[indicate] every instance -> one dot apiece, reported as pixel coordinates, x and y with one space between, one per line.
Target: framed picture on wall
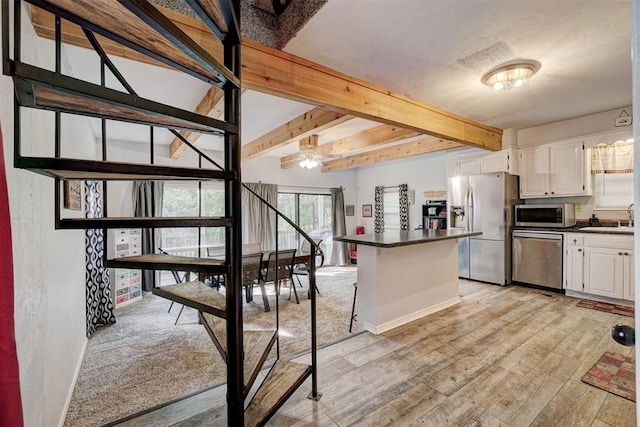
367 211
72 195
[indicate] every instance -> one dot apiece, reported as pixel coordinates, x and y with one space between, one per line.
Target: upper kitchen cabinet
555 170
475 163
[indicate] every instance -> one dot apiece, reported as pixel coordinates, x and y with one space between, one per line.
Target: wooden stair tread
283 380
257 345
170 262
143 28
66 168
197 295
143 222
39 88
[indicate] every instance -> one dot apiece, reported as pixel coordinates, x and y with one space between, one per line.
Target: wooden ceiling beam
307 124
383 134
400 151
211 105
278 73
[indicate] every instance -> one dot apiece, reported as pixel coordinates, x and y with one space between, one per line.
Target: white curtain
612 158
258 221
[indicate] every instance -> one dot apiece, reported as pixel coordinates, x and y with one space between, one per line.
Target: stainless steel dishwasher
537 258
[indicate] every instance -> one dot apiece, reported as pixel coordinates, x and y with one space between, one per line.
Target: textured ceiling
435 51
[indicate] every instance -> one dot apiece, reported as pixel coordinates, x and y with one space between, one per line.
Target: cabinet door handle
575 241
626 253
546 192
619 253
579 250
553 192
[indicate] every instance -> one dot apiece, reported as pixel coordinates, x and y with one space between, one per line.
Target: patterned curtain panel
98 288
379 211
404 207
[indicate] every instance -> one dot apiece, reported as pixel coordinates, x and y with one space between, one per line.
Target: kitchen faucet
630 215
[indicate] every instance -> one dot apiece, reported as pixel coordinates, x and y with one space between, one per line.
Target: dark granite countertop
624 231
392 239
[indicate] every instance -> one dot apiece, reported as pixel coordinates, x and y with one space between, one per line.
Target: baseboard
73 382
384 327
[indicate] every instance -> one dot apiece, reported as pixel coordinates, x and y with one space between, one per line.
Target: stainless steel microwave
556 215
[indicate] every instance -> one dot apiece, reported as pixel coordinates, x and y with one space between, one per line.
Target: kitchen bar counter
403 276
392 239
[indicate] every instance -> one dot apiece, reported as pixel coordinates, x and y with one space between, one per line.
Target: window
189 199
391 209
613 190
612 167
312 213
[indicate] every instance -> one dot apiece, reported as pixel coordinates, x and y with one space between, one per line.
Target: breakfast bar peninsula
405 275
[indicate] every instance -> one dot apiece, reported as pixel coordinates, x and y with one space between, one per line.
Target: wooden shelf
140 26
283 380
65 168
170 263
196 295
39 88
143 222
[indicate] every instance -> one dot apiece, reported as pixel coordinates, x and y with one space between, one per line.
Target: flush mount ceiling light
510 76
308 156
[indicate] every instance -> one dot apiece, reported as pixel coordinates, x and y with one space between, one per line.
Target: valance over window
612 158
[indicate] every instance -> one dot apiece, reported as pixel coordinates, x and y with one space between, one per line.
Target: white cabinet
603 272
600 264
574 266
500 161
468 167
477 162
556 170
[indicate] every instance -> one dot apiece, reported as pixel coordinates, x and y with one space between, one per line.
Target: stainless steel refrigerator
484 203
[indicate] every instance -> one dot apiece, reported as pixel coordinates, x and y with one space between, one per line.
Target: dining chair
284 268
252 275
302 269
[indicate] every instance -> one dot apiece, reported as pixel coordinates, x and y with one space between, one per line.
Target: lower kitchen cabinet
600 265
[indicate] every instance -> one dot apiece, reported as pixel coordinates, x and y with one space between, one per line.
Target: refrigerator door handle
471 222
467 210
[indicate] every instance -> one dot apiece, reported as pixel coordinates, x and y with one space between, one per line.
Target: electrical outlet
577 207
623 121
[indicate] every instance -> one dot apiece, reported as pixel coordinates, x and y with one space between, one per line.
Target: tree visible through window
189 199
312 213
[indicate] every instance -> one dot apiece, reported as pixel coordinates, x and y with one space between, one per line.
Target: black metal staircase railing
314 247
139 25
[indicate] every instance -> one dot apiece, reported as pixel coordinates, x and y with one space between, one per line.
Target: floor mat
614 373
609 308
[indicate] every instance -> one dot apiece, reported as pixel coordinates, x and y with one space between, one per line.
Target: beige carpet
144 360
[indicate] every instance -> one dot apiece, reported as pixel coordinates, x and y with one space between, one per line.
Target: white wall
421 173
565 129
48 264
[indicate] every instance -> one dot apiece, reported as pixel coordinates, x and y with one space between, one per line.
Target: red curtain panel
10 402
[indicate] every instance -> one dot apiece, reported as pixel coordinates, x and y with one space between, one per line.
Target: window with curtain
391 210
312 213
612 167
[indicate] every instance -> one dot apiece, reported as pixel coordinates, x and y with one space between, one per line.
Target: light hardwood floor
502 357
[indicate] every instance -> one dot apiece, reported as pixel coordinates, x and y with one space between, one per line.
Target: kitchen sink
609 229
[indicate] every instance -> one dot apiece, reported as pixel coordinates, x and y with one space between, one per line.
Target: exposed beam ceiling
211 105
423 146
309 123
281 74
278 73
383 134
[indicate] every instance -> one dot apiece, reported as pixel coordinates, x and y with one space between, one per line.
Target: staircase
139 25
